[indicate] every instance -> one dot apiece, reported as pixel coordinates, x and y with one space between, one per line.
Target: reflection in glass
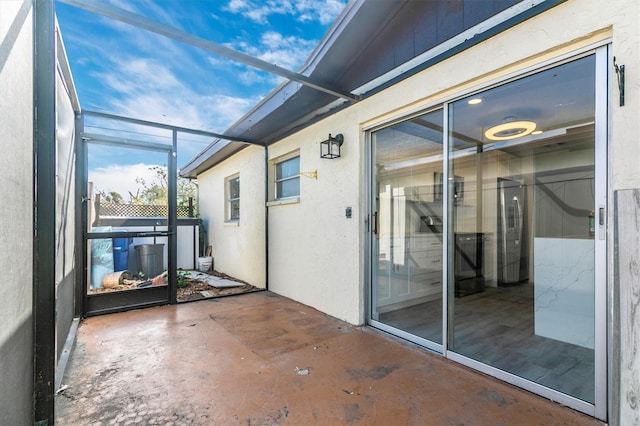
287 178
407 259
522 284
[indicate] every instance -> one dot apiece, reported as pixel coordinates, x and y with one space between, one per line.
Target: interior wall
16 215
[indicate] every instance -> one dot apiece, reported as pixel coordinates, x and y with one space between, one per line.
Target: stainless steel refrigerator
513 265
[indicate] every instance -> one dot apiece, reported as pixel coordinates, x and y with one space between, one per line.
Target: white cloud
149 8
287 52
236 6
220 62
323 11
121 179
259 11
148 89
250 77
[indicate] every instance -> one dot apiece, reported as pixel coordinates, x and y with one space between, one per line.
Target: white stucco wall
16 218
238 249
315 252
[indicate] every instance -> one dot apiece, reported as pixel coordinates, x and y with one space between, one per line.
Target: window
233 198
288 178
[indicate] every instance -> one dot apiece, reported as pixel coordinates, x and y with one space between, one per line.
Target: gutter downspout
266 216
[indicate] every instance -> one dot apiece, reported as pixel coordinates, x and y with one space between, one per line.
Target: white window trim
284 201
227 200
275 200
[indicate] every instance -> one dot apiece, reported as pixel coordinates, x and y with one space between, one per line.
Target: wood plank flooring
496 327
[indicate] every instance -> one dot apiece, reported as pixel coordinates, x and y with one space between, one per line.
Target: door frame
120 301
371 225
599 409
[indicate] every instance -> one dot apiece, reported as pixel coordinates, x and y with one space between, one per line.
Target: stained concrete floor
261 359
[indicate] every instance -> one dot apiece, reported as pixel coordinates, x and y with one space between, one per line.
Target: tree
155 191
187 188
111 197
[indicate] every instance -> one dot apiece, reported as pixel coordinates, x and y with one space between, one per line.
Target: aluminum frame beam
208 45
44 225
169 127
99 139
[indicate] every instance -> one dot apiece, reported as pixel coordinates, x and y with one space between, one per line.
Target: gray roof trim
216 153
331 36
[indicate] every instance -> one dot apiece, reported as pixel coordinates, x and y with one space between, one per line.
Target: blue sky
120 69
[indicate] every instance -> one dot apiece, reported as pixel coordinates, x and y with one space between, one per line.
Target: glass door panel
127 232
522 183
407 247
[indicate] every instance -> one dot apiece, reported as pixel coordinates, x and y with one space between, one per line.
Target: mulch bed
191 289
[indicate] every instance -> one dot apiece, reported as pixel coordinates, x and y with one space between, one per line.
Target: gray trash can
150 259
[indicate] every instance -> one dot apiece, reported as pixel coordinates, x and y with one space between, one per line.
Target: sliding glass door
407 260
523 228
488 231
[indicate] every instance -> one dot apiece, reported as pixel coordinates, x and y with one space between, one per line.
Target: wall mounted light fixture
330 148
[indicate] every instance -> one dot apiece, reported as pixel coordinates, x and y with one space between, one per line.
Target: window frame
229 199
277 181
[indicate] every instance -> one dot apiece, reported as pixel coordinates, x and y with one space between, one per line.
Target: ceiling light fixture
510 130
474 101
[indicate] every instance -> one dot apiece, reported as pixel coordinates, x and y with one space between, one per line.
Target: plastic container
101 257
121 253
150 259
205 263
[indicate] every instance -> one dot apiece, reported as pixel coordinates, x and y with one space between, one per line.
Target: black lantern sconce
331 147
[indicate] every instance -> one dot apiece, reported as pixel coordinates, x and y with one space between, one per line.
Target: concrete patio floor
262 359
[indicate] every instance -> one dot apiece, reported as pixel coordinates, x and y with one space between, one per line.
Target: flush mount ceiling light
474 101
510 130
